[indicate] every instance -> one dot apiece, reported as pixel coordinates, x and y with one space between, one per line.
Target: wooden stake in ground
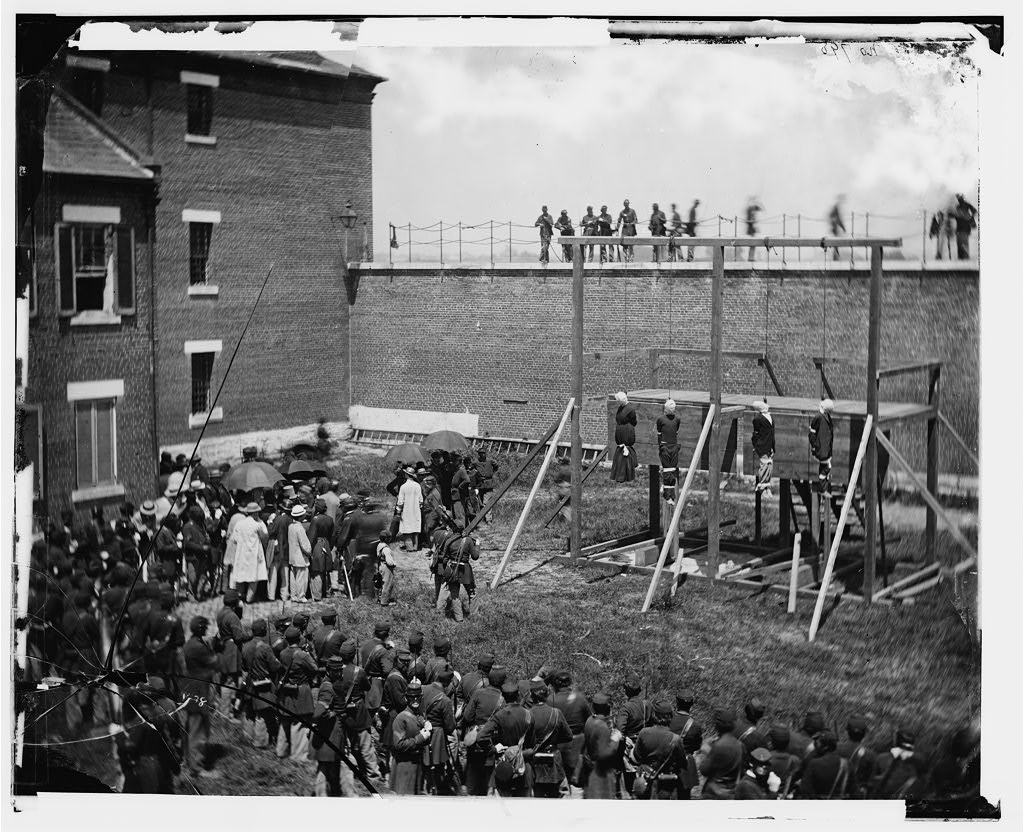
794 574
826 578
673 526
552 447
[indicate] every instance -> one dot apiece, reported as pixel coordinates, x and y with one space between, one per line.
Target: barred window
200 109
199 234
202 375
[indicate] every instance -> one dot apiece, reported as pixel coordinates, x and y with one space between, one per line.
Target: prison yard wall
494 342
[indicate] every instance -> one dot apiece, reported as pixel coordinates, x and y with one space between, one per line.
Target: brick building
260 153
88 401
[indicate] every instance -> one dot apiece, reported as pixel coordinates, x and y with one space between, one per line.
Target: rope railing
444 242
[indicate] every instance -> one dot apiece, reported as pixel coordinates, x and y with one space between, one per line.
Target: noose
767 289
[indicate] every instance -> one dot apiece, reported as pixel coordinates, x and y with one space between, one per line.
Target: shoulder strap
668 756
747 733
840 781
686 728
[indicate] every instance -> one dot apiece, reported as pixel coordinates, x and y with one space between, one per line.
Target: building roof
312 62
76 142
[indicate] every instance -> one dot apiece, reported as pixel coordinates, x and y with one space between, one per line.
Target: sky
472 134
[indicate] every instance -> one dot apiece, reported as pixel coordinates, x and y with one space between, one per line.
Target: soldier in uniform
328 743
604 229
801 743
481 704
418 662
355 684
724 764
747 731
198 551
376 655
660 755
200 667
504 733
548 730
895 771
168 553
295 697
757 781
165 639
260 666
439 663
634 715
150 747
825 773
626 223
545 222
393 698
328 620
439 710
456 571
565 229
783 764
588 228
602 752
686 726
476 678
229 639
410 733
860 757
656 225
576 710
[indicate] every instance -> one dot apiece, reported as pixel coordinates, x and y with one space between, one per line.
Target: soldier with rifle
438 757
330 741
456 571
548 730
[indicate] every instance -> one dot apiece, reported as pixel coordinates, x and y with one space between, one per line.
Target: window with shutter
125 270
66 304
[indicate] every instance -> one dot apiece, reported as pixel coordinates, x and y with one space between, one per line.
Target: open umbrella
303 469
445 440
249 475
407 453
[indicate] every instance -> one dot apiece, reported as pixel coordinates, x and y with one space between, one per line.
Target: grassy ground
911 665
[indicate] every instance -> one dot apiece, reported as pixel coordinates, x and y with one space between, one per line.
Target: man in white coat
410 519
249 539
299 552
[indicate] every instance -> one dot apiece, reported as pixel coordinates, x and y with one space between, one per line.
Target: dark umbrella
250 475
407 454
445 440
302 469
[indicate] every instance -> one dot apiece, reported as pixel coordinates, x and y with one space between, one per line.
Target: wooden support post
926 495
881 530
785 501
826 577
826 532
576 449
794 575
715 399
671 533
816 533
552 448
757 518
654 500
871 462
932 473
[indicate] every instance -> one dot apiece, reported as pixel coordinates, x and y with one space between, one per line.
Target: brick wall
290 152
461 340
60 353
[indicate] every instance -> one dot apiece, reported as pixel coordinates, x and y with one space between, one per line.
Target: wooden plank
738 242
871 465
909 579
673 527
927 497
533 493
910 367
834 551
932 463
794 575
576 452
715 400
958 439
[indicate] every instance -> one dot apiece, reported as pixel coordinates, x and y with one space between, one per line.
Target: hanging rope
824 290
625 345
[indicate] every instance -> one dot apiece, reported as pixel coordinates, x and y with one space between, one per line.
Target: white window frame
197 215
